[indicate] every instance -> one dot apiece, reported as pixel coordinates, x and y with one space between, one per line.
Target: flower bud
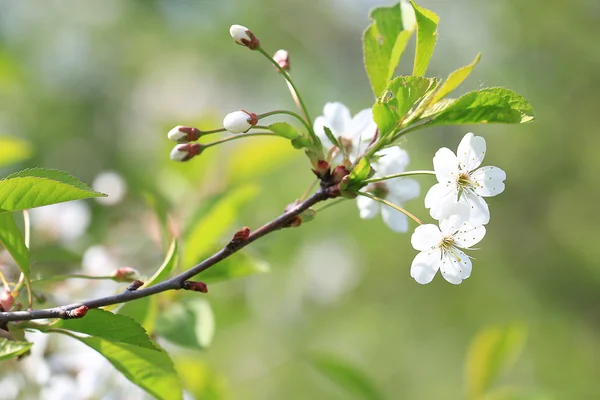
78 312
339 173
282 58
244 36
125 274
6 300
239 121
321 169
184 152
135 285
184 134
195 286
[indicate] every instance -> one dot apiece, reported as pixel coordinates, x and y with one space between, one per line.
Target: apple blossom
460 179
440 246
392 160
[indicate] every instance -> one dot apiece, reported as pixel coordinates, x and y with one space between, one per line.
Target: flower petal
426 237
403 189
471 151
362 127
397 221
392 160
445 165
480 212
320 123
456 266
453 217
368 207
425 265
469 235
438 196
338 118
490 181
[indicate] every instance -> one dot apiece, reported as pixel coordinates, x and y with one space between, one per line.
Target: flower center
464 181
447 243
379 189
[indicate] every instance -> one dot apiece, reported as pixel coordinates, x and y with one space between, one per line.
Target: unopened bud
321 169
239 121
78 312
184 134
282 58
244 36
6 300
135 285
184 152
125 274
195 286
241 235
339 173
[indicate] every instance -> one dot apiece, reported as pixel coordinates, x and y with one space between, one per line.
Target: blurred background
93 88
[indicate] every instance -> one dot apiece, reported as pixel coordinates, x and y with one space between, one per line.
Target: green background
96 86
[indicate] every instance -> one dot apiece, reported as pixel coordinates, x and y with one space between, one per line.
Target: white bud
239 121
244 36
183 134
183 152
282 58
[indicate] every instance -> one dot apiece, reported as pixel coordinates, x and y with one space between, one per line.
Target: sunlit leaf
454 80
13 150
167 266
239 265
258 156
11 348
12 240
348 377
427 22
200 380
189 322
492 352
143 311
284 129
39 187
355 180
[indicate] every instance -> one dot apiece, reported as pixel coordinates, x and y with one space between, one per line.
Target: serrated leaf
108 326
427 22
346 376
11 348
208 231
238 265
384 42
454 80
13 150
150 369
493 351
284 129
490 105
167 266
188 322
12 240
437 107
37 187
143 311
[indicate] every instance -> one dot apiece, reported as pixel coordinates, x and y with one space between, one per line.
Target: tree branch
177 282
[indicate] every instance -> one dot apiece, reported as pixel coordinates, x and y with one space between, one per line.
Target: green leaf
454 80
108 326
384 42
427 22
150 369
11 348
217 221
39 187
492 352
200 380
239 265
13 150
284 129
346 376
143 311
332 138
188 322
301 142
167 266
12 240
490 105
355 180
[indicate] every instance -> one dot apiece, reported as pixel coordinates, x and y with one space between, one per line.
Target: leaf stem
398 175
330 204
238 136
293 114
394 206
4 281
57 278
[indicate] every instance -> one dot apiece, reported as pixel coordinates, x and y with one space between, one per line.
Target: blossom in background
65 222
440 247
355 133
392 160
460 179
112 184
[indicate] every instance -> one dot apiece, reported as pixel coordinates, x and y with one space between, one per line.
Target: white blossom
112 184
460 179
239 121
239 33
354 134
440 247
392 160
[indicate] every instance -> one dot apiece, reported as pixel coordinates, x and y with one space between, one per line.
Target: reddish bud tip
185 152
78 312
321 169
282 58
339 173
184 134
241 235
6 300
135 285
195 286
125 274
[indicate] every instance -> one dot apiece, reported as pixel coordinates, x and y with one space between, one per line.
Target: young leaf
11 348
188 323
427 22
490 105
13 150
167 266
355 180
12 240
152 370
39 187
108 326
454 80
384 42
332 138
492 351
346 376
238 265
284 129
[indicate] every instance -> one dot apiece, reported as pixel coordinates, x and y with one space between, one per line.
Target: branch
177 282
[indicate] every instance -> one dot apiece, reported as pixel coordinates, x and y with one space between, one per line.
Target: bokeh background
93 87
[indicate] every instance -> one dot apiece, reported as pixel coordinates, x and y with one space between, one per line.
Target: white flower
392 160
460 180
355 134
239 121
65 222
440 247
